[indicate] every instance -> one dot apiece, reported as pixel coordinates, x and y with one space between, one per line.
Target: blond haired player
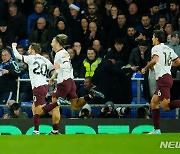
66 88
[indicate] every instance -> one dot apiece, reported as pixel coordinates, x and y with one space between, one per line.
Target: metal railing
80 80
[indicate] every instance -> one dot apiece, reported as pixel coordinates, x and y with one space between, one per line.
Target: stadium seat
24 42
1 112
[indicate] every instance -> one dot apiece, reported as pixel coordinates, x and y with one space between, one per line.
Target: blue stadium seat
1 112
24 42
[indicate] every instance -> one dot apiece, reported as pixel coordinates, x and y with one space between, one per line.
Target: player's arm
16 53
150 64
54 76
176 62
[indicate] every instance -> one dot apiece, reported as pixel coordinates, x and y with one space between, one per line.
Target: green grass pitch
87 144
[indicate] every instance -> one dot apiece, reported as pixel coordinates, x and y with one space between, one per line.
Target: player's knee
38 110
54 99
164 105
74 108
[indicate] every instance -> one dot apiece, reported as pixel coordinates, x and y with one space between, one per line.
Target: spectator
15 112
143 112
9 72
131 39
54 15
99 49
32 18
168 28
17 22
90 63
110 17
6 34
74 21
84 34
89 86
174 44
108 111
110 78
1 45
154 13
133 14
86 112
80 52
95 33
140 56
120 51
161 23
117 30
42 34
173 12
62 28
10 103
146 28
93 15
75 61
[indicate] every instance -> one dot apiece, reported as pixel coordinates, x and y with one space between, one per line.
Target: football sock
156 118
49 107
55 127
174 104
36 122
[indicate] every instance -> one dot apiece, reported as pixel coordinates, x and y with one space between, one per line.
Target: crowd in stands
108 40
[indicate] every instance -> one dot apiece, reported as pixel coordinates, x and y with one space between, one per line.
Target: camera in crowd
109 106
143 112
123 110
85 112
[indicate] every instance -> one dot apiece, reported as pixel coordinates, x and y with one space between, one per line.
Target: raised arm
16 53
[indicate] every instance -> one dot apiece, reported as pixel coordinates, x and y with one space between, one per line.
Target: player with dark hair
163 58
38 69
66 88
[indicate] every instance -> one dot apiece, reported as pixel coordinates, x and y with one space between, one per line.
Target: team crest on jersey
159 93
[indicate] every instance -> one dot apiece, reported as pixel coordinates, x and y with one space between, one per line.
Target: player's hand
56 66
51 81
143 70
14 45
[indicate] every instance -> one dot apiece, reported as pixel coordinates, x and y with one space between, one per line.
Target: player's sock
36 122
156 118
49 107
55 127
174 104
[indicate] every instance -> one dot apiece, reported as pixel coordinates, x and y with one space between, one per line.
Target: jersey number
168 59
40 69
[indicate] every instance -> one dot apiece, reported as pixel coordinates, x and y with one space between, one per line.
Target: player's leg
55 117
37 112
78 103
155 114
165 95
61 92
39 94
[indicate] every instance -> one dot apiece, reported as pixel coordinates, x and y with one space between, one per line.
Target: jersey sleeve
27 59
65 60
50 66
174 55
154 51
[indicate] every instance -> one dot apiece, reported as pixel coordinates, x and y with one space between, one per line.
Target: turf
87 144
